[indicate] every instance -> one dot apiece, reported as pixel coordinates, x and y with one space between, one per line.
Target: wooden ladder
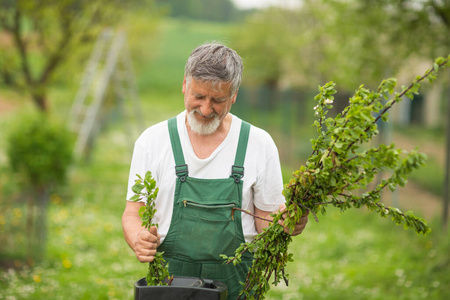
109 67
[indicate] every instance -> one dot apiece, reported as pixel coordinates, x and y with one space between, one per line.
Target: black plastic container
182 288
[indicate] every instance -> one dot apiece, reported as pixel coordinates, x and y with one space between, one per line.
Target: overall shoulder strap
237 170
181 168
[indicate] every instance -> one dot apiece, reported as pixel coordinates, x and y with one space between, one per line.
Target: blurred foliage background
62 239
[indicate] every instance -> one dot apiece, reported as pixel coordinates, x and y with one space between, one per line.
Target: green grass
355 255
87 257
358 255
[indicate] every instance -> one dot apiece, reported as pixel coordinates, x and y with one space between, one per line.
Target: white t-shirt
262 179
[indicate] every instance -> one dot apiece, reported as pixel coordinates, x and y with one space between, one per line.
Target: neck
204 145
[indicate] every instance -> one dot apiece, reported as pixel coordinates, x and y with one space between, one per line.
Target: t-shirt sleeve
268 188
138 166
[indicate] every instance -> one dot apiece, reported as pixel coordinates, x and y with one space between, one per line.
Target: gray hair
215 63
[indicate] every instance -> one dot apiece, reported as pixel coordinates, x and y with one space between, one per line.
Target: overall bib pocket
210 228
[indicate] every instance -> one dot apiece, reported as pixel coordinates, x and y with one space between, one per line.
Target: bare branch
253 215
21 46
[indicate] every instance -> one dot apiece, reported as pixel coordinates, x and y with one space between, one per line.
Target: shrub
40 150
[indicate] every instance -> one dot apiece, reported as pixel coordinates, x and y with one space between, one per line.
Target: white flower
315 107
328 101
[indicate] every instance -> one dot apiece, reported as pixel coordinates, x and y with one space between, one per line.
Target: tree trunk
446 194
40 99
37 223
30 237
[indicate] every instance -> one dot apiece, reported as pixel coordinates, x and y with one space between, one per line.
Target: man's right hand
146 243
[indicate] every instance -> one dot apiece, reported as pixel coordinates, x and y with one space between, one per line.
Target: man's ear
183 89
233 99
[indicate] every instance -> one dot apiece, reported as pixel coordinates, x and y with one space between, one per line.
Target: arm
142 241
261 224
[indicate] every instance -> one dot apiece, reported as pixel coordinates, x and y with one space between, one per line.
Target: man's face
206 105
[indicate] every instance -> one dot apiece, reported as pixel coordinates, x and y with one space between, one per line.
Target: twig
286 281
307 208
253 215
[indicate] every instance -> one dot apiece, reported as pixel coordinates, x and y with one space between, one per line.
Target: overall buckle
182 172
237 173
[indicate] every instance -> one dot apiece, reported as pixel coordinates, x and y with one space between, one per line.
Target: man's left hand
298 227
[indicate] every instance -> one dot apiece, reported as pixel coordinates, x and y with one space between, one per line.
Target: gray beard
200 128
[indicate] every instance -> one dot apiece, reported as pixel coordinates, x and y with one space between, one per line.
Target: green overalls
204 223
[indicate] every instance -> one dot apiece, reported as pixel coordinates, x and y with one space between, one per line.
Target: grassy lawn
355 255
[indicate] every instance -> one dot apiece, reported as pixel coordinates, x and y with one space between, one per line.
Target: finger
281 209
301 225
148 236
153 230
146 252
298 228
146 244
145 258
150 245
145 255
158 239
141 245
293 233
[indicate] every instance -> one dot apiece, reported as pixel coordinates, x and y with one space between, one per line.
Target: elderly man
206 162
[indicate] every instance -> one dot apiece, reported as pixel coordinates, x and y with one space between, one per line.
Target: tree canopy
344 41
40 35
211 10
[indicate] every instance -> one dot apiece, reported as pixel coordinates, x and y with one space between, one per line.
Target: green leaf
137 188
141 210
435 67
135 198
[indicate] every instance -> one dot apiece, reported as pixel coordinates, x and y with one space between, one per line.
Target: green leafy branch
338 172
145 188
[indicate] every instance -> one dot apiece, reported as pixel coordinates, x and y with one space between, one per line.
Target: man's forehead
215 86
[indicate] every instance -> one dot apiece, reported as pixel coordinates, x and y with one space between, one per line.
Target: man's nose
206 108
